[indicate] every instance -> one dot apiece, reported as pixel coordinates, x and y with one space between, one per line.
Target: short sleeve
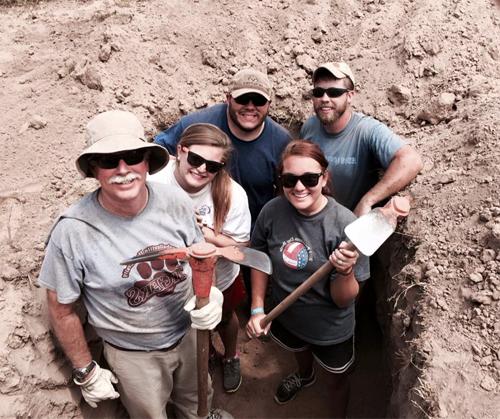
259 236
170 137
383 142
61 272
238 219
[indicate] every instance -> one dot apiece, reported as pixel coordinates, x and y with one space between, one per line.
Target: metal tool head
237 254
167 254
371 230
247 257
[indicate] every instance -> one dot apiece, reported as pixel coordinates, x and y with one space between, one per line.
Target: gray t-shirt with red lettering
136 306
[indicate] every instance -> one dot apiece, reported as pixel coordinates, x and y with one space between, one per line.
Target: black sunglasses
257 100
111 161
309 180
318 92
196 160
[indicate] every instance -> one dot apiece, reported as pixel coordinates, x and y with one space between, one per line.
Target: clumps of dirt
428 69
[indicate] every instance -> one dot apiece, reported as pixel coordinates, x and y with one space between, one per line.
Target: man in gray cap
356 145
258 142
137 310
257 139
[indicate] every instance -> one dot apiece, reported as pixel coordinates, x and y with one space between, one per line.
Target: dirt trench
428 69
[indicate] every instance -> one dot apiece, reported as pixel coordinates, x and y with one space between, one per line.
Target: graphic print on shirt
204 211
296 254
159 277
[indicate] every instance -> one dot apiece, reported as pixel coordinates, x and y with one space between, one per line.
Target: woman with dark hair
301 230
221 207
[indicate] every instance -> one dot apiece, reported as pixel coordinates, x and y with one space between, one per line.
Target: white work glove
99 386
208 317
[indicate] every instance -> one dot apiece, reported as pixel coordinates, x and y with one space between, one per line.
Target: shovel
202 258
366 234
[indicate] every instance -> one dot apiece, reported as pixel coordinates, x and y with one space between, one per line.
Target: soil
428 69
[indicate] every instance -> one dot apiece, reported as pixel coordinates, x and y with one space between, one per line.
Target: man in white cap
357 146
137 310
257 139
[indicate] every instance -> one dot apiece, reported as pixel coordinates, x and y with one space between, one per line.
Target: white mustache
129 177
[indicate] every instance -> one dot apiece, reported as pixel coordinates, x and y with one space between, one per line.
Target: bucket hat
114 132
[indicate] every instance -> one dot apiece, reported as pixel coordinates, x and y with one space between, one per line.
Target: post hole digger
202 258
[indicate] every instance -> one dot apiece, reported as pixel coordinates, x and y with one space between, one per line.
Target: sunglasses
196 160
318 92
309 180
257 100
111 161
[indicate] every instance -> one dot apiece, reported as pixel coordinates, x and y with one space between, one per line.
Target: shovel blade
247 257
369 232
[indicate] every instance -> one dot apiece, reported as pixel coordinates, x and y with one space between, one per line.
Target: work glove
99 386
208 317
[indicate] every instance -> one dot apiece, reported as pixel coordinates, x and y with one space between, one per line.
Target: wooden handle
202 339
323 270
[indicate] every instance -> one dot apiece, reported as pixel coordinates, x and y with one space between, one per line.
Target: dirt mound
428 69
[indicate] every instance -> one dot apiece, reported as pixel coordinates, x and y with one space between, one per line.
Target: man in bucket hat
356 145
137 310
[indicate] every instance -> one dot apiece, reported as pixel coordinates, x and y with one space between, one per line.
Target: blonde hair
208 134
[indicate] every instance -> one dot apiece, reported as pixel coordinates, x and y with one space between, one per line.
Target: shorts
335 358
234 295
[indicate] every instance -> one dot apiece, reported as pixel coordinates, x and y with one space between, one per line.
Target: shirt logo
159 278
296 254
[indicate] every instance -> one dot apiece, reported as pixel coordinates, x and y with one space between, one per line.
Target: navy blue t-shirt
253 163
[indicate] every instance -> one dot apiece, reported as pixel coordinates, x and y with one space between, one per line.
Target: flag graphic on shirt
295 254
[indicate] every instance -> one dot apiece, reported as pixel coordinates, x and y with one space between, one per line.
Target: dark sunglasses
196 160
257 100
318 92
309 180
111 161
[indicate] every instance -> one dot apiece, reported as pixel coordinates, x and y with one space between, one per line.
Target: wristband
257 310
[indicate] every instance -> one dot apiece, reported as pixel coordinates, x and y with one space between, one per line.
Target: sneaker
232 374
219 414
291 385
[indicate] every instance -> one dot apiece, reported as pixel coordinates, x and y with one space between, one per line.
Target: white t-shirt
236 224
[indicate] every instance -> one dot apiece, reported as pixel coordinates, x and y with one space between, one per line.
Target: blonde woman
221 206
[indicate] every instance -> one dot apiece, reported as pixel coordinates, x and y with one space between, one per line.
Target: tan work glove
208 317
99 386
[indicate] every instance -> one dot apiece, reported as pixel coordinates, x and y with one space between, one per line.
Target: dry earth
430 69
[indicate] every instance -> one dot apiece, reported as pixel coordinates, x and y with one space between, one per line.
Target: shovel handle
322 271
202 340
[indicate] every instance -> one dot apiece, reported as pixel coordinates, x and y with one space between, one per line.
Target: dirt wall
429 69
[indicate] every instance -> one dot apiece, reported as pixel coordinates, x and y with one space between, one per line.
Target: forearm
69 331
403 168
259 285
344 289
220 240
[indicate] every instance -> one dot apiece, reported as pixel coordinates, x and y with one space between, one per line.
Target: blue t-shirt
253 163
355 155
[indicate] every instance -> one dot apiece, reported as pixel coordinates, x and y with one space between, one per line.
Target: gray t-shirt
356 154
298 245
134 306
